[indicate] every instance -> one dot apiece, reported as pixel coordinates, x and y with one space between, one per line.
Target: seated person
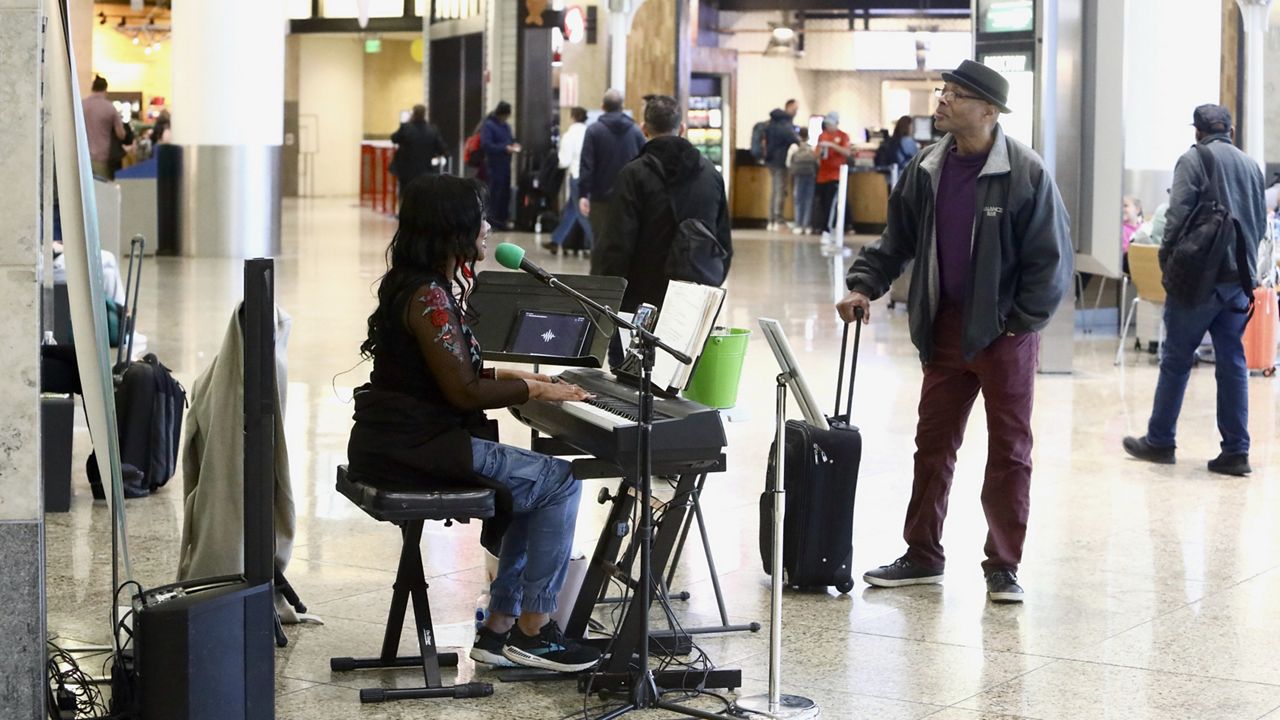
421 418
1131 219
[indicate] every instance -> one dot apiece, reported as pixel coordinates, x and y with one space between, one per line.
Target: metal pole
775 704
779 498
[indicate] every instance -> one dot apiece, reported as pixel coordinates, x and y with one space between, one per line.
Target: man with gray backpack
1209 257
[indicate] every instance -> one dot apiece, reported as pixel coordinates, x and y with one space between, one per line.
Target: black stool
408 506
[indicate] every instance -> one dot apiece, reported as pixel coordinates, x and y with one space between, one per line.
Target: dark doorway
456 91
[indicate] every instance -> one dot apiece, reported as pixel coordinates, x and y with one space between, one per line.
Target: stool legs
411 585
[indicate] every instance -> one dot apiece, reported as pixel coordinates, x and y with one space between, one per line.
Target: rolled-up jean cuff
545 603
505 604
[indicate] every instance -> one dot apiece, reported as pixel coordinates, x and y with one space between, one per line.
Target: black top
418 142
426 396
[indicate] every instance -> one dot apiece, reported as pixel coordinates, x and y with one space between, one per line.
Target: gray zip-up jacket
1022 256
1240 188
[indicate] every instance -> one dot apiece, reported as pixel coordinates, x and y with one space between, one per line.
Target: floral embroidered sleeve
434 321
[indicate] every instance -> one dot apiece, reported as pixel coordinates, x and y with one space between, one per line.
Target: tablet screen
553 334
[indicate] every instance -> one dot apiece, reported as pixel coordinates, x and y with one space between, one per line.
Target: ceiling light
783 34
102 18
147 50
135 40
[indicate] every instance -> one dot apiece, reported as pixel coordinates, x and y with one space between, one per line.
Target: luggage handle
853 364
124 350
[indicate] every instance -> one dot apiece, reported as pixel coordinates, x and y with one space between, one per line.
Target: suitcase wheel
845 587
1269 372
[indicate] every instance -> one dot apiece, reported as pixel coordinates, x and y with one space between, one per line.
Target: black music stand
500 296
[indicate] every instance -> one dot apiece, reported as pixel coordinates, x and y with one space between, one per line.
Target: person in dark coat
418 145
779 136
498 145
643 223
1238 184
420 420
611 142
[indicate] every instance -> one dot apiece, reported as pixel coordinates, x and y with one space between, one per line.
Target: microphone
512 257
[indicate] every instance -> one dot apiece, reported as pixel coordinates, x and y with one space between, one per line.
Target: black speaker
203 650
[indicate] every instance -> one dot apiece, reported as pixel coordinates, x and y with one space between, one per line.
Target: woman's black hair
440 218
503 109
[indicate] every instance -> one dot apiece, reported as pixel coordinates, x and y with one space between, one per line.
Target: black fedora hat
991 85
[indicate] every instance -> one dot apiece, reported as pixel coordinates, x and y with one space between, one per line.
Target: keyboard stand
665 586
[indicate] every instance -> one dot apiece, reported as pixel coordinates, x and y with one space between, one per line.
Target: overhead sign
1006 16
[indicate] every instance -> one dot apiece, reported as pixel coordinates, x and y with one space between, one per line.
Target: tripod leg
711 561
684 531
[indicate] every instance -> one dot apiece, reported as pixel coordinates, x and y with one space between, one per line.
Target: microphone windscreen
509 255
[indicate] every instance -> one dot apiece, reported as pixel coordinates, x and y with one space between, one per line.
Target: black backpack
149 407
887 153
1192 264
758 132
696 254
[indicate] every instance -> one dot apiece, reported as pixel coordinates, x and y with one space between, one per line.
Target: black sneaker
1231 464
1143 450
902 572
549 650
488 646
1003 587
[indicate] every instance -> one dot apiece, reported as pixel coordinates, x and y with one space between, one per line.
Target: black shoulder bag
695 254
1191 270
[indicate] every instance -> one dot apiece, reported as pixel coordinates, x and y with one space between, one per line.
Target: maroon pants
1005 373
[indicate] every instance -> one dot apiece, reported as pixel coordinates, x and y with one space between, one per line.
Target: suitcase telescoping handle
124 347
853 364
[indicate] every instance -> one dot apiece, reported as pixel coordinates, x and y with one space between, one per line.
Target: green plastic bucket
715 381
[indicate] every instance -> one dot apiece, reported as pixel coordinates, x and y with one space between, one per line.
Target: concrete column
228 116
22 621
1256 14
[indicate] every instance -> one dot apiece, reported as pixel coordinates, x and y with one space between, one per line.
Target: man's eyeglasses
950 96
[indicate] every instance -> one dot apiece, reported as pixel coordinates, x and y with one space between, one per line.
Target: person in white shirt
571 159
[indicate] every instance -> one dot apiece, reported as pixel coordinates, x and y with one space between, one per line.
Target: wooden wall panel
1230 81
651 53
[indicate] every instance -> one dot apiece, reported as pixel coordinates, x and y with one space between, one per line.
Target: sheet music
688 312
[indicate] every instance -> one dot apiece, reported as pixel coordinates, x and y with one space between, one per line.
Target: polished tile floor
1153 591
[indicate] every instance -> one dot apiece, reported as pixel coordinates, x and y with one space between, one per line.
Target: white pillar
228 116
621 13
1255 14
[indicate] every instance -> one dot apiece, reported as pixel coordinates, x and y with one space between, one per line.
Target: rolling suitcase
821 481
149 406
1260 333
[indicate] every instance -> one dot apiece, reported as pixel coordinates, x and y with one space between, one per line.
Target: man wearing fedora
1224 313
982 219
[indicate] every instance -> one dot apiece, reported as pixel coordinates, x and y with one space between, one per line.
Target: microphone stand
644 688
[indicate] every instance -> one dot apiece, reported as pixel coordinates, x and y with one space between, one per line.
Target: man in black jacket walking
644 220
611 142
418 145
1224 314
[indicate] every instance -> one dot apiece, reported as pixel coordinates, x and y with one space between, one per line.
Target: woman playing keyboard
421 418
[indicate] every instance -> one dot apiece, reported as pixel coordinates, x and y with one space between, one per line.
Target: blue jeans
803 199
571 217
536 547
1223 318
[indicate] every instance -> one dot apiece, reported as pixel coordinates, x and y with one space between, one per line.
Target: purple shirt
954 216
100 123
